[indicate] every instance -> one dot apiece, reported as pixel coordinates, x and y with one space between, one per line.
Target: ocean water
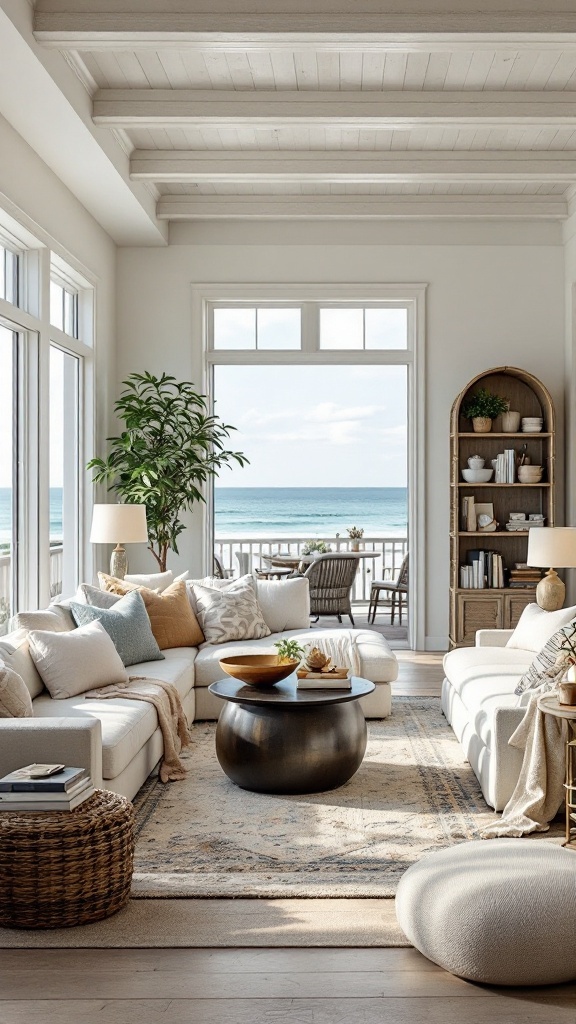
309 511
6 514
278 511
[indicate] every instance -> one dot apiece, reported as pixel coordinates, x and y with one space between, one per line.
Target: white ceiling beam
256 207
417 166
149 108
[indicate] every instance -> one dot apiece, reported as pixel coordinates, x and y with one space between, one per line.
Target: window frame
312 297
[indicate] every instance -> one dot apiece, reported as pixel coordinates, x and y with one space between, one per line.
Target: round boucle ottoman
501 911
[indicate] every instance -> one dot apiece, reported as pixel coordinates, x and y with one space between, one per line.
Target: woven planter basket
64 868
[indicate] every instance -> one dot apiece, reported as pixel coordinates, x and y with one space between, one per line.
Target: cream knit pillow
15 700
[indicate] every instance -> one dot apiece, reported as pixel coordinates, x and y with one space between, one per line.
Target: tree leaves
170 447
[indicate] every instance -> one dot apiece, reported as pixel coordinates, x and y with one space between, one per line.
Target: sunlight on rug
412 795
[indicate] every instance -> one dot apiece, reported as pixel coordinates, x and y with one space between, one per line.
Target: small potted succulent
289 650
355 537
482 407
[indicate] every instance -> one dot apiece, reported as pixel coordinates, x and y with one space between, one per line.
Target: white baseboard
436 643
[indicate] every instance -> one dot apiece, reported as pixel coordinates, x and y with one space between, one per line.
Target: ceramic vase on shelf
510 422
481 424
476 462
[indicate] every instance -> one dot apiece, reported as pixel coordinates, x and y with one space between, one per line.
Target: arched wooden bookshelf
497 607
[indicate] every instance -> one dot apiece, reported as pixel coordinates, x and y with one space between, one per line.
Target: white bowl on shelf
477 476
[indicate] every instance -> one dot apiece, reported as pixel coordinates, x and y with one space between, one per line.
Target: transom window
309 326
9 275
64 308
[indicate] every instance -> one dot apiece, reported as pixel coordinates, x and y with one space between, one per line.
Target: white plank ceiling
464 126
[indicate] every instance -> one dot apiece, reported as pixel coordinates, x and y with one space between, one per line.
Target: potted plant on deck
355 535
482 407
169 448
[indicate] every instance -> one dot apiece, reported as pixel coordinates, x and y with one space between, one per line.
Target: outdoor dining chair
331 578
398 589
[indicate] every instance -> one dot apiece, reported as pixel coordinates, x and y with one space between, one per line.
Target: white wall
33 196
495 297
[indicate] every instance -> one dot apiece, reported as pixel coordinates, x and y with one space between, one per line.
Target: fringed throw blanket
171 718
341 649
539 792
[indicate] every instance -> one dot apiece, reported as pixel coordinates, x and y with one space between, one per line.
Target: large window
8 475
64 466
46 314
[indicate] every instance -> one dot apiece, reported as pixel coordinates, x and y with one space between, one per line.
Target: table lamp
119 524
548 546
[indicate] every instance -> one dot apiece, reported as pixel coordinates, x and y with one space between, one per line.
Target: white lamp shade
552 547
119 524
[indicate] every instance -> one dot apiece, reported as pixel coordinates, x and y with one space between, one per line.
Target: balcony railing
5 582
385 564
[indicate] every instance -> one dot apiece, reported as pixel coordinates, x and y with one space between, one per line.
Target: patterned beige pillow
15 700
232 613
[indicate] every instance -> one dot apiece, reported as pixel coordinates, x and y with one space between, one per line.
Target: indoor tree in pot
482 407
170 447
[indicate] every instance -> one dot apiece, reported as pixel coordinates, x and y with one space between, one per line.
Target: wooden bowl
258 669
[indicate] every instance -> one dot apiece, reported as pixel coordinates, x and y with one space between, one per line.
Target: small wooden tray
338 673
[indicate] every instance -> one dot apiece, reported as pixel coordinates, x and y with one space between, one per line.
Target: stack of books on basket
45 787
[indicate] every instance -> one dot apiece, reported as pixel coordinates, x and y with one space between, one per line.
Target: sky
315 426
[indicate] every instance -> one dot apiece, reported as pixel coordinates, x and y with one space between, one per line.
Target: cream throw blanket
171 719
539 792
342 649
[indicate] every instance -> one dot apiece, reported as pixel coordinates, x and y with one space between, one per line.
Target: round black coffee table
280 739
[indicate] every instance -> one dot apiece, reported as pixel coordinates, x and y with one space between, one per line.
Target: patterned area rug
413 794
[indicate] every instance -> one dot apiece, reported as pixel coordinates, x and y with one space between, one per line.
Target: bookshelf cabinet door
515 605
477 610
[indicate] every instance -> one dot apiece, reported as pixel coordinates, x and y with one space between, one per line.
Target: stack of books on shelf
45 787
523 577
505 469
484 571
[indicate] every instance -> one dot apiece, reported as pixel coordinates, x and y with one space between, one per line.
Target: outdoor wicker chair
331 578
219 571
398 589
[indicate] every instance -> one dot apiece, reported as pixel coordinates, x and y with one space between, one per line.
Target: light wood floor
265 986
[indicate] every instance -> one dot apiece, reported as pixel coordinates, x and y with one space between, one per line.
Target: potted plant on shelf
482 407
170 447
355 537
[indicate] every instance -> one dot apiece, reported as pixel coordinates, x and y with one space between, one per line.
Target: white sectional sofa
119 740
479 702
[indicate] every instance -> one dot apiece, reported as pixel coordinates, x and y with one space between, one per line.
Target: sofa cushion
536 626
177 668
74 662
172 620
285 604
485 678
56 619
128 625
156 580
15 701
231 612
545 668
377 661
15 653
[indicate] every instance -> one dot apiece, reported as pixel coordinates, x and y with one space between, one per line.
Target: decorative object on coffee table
548 546
285 740
64 868
119 524
259 669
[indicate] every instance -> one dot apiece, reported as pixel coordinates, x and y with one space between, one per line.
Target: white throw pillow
71 663
15 701
231 612
536 626
156 580
57 618
285 604
215 582
15 653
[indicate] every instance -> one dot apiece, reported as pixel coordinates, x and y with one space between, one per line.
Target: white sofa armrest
73 741
493 637
506 760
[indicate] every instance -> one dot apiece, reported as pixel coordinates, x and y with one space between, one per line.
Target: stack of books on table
45 788
337 679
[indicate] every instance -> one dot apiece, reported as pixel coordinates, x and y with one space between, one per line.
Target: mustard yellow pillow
172 620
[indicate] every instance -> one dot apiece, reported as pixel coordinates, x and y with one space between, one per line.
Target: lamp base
550 592
119 562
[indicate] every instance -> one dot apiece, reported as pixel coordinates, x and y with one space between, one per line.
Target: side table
551 706
64 868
